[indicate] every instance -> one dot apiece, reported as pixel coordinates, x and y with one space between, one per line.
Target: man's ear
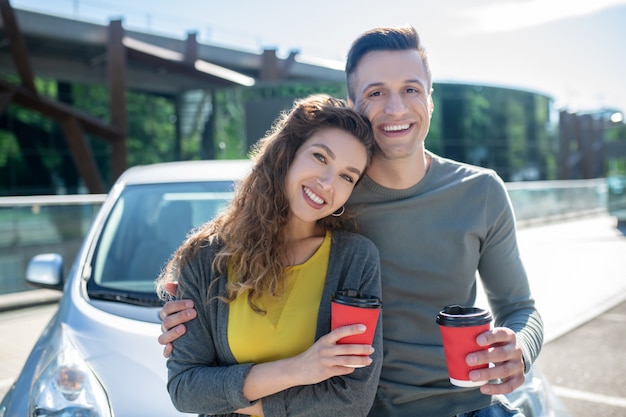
431 103
350 102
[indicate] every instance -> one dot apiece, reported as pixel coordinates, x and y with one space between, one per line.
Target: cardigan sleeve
196 383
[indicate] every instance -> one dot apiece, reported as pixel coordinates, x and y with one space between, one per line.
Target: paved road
578 276
577 269
20 330
587 366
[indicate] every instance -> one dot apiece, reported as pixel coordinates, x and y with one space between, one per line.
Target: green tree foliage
40 140
504 129
229 118
615 133
12 165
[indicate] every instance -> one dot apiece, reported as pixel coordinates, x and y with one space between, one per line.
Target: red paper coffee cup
353 307
459 328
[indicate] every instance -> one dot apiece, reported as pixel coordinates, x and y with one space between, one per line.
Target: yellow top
289 326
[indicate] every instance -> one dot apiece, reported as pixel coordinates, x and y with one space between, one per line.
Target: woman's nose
324 181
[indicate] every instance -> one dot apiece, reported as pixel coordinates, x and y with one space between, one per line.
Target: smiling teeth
395 128
312 196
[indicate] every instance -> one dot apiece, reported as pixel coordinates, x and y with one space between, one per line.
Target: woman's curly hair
249 230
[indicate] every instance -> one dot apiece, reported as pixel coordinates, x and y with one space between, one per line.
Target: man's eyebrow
332 155
407 81
416 81
376 84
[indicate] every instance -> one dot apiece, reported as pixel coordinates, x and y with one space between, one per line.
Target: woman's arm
323 360
202 377
355 262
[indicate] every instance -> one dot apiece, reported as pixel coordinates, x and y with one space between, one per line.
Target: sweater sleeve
354 262
197 382
504 276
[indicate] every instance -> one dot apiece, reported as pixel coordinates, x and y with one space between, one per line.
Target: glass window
144 227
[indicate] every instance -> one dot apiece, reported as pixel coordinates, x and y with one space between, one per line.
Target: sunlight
515 15
617 117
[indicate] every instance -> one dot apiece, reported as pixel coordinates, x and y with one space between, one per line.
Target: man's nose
395 105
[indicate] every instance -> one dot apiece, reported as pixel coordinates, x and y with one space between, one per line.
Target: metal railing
542 201
39 224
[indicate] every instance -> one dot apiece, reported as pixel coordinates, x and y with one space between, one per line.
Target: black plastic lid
458 316
356 299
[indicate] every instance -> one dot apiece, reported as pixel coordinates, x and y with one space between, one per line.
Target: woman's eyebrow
326 148
331 154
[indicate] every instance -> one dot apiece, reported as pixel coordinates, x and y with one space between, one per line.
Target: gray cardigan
203 376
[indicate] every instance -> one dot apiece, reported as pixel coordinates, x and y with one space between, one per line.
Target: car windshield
144 227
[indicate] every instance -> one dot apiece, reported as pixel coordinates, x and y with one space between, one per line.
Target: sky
571 50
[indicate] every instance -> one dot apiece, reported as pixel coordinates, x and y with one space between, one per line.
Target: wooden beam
18 47
287 64
269 66
565 130
117 96
139 77
191 48
176 62
59 111
598 161
81 153
584 136
179 67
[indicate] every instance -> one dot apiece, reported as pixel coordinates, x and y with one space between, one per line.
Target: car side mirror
46 271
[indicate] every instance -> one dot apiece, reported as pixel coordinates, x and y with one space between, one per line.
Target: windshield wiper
124 297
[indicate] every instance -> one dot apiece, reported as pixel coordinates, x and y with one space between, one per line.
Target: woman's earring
340 211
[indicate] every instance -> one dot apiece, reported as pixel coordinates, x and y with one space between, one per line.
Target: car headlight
65 385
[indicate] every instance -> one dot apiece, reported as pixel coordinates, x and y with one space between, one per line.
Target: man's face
391 89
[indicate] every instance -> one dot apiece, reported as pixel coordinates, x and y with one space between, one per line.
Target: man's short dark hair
384 39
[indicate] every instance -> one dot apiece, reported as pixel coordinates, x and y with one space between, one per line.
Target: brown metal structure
583 152
73 122
78 52
117 100
71 51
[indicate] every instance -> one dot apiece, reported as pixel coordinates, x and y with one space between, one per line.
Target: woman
261 276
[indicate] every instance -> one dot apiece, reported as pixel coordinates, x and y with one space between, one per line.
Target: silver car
99 356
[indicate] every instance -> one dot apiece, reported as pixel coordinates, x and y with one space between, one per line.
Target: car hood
123 353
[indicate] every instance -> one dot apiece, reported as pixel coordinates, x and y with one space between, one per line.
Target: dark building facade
511 131
84 101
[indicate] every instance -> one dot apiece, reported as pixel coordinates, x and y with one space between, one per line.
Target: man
436 223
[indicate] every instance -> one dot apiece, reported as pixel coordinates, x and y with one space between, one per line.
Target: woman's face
323 173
